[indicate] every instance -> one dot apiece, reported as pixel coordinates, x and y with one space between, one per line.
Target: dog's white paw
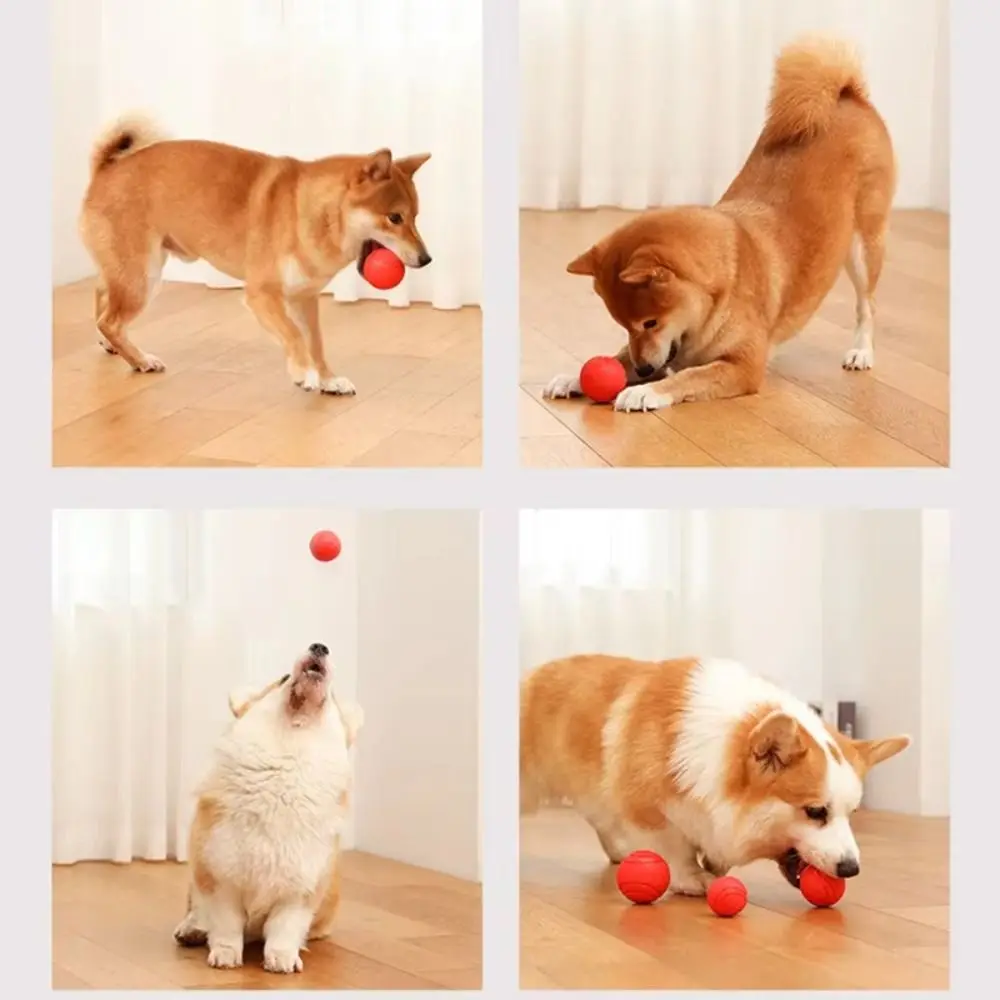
106 344
310 380
641 397
150 363
689 883
859 359
338 386
225 956
282 959
562 387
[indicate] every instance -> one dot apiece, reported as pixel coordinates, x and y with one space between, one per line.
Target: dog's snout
848 868
644 371
318 649
424 259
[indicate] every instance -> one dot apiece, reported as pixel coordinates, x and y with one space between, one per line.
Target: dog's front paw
106 344
562 387
225 956
150 363
693 883
282 959
859 359
338 386
309 380
641 397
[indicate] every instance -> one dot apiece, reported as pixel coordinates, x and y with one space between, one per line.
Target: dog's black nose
318 649
644 371
847 868
424 259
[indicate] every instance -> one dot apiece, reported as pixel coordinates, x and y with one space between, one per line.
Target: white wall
935 680
418 681
76 121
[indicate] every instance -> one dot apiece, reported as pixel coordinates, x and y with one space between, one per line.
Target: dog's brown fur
705 293
283 226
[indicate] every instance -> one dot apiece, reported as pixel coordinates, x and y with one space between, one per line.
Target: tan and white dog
700 760
706 293
283 226
265 840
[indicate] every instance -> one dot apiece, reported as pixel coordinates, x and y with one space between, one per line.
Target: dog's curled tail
122 137
811 76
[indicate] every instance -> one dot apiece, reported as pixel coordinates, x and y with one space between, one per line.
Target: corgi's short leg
687 877
285 934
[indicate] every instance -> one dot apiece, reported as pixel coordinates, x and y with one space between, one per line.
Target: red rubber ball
382 269
643 877
601 379
325 546
727 896
819 888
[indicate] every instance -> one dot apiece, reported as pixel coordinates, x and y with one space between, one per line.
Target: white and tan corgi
265 839
701 760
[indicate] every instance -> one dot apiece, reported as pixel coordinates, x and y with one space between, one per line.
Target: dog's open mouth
791 864
315 669
367 249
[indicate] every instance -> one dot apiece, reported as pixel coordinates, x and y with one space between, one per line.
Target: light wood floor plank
399 927
225 396
889 932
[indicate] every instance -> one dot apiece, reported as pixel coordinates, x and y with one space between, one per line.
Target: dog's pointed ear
644 268
411 164
240 700
586 263
776 742
872 752
377 166
354 719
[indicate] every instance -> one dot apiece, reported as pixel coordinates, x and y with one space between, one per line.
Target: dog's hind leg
864 268
100 304
192 931
123 300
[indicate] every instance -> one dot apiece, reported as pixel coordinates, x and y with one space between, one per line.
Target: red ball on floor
821 889
601 379
643 877
325 546
382 269
727 896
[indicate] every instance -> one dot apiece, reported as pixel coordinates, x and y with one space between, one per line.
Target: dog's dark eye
649 324
819 813
395 218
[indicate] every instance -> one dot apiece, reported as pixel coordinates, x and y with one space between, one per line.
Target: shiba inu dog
265 839
699 760
705 293
283 226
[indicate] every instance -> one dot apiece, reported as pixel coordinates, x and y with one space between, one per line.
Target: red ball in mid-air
325 546
821 889
601 379
643 877
382 269
727 896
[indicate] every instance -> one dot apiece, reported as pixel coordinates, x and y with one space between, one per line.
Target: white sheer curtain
650 102
311 78
659 583
142 667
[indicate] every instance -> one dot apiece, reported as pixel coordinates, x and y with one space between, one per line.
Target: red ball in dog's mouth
379 266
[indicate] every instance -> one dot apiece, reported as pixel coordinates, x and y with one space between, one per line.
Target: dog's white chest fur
282 795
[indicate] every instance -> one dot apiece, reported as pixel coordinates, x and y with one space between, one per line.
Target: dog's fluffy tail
122 137
811 76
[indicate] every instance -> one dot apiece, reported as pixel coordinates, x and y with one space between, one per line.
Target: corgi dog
700 760
265 840
283 226
705 293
